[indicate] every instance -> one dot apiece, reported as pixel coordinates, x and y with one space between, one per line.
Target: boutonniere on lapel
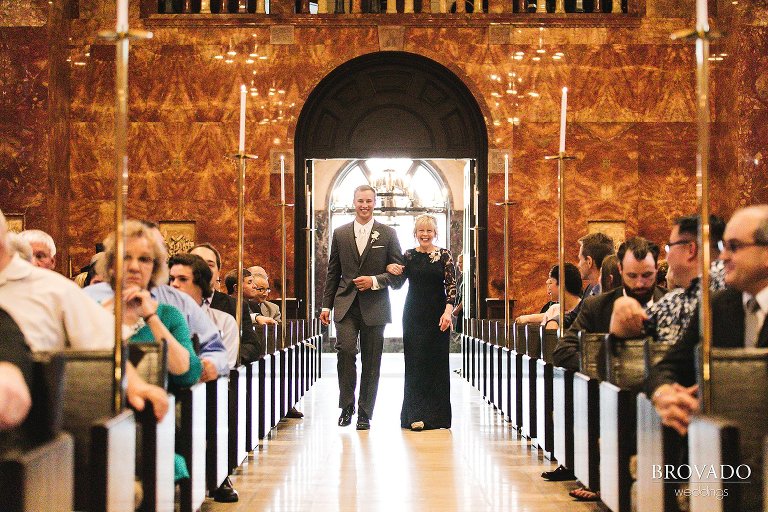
374 235
434 256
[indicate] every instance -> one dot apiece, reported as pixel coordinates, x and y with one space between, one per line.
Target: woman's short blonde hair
135 229
425 220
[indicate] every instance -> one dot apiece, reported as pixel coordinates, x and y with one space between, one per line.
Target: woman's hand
395 269
445 321
139 301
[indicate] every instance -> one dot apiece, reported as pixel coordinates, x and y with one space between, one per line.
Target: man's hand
675 405
209 373
363 283
15 400
325 317
627 318
138 392
264 320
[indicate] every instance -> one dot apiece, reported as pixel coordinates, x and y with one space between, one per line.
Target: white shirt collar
367 226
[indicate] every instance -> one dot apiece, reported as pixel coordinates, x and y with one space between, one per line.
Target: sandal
584 494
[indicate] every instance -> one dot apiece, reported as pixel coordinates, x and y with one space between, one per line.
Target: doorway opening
405 189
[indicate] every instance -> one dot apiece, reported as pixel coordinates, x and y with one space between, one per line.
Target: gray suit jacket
268 309
345 264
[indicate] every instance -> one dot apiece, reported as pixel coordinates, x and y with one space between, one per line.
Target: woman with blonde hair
144 319
426 329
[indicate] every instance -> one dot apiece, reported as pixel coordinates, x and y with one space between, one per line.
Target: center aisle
314 465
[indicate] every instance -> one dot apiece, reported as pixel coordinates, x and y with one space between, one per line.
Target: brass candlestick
121 36
561 158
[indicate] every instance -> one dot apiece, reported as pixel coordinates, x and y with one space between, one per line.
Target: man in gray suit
356 288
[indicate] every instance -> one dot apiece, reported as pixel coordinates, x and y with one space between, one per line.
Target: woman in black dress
426 329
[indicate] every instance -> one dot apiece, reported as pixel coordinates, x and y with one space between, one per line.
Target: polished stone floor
478 465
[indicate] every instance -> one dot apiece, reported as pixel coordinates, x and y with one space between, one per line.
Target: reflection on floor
478 465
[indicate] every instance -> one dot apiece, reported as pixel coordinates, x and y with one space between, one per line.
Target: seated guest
572 296
43 248
610 277
191 275
637 265
537 318
667 320
251 348
54 314
144 319
269 311
15 383
230 283
738 317
212 352
593 249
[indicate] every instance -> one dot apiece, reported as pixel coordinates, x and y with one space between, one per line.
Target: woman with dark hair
551 318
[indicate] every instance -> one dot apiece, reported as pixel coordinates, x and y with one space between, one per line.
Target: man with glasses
738 317
637 265
266 311
668 318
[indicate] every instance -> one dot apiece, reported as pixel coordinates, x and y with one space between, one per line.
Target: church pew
713 440
516 377
656 446
252 406
738 382
263 397
473 344
155 440
586 412
528 392
39 479
191 444
625 372
484 356
237 452
273 402
283 380
562 415
216 432
504 360
498 364
492 362
26 475
544 392
105 443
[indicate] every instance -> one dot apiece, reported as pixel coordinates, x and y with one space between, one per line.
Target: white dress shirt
228 330
52 311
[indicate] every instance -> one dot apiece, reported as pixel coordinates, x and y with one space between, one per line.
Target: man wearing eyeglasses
266 312
668 318
637 265
738 317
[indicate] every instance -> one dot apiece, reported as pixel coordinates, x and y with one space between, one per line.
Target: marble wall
630 121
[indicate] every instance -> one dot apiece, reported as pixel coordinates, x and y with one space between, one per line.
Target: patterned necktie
751 323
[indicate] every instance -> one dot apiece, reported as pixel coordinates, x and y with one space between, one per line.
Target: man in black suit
637 265
738 317
251 348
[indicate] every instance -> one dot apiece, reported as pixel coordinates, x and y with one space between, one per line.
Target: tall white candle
563 108
241 145
506 177
702 15
282 178
122 15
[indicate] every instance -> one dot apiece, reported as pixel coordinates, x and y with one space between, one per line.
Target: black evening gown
431 284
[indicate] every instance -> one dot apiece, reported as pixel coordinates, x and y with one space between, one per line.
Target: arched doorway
390 105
